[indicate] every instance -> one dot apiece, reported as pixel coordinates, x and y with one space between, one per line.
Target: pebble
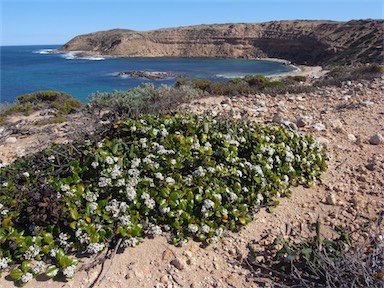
331 199
302 121
179 263
351 137
164 279
11 140
376 139
318 127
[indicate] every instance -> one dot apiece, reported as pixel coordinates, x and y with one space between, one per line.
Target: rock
164 279
302 121
335 124
179 263
167 255
371 166
278 118
11 140
318 127
331 199
376 139
323 141
351 137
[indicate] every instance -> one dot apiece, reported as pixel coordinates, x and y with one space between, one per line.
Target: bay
26 69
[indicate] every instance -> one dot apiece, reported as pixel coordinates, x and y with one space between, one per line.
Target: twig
113 256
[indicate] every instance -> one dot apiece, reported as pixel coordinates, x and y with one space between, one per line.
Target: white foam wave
73 55
43 51
231 75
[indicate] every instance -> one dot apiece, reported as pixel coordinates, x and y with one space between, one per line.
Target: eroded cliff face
302 42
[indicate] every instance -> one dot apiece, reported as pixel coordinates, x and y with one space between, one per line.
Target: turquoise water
25 69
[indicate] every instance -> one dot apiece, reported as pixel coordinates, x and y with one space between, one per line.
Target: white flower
63 237
154 230
31 252
94 248
64 187
133 129
53 251
199 172
100 144
109 160
135 163
193 228
217 196
91 196
51 158
188 180
26 277
104 181
38 268
173 162
125 220
164 210
219 232
94 164
4 212
120 182
93 207
159 176
170 180
150 203
143 142
259 199
131 242
205 229
26 174
164 133
69 272
239 173
131 193
4 262
232 196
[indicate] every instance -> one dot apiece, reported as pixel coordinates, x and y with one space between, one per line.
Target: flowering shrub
192 176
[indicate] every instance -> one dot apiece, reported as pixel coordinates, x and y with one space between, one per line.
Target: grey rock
11 140
376 139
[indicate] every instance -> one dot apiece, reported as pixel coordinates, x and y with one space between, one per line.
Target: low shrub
144 99
193 176
64 103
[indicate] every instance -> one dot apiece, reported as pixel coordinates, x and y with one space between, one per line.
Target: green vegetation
145 99
63 104
193 176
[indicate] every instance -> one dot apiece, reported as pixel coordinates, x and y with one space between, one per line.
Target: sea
26 69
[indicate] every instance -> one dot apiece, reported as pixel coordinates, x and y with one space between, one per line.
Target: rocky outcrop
302 42
151 75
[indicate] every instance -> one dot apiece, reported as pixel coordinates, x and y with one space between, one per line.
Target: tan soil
349 190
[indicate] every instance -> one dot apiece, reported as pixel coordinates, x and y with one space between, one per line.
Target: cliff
302 42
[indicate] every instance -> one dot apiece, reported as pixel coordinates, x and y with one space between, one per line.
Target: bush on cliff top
192 176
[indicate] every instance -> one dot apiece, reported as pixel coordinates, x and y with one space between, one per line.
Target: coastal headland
300 42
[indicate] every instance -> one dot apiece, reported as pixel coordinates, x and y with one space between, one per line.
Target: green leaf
51 271
26 265
16 274
48 238
73 213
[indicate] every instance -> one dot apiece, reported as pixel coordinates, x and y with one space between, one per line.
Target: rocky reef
302 42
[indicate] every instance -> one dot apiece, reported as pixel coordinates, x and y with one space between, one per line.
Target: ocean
26 69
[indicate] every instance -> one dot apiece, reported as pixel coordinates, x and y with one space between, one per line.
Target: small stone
376 139
167 255
323 141
302 121
318 127
179 263
278 118
335 124
351 137
11 140
164 279
331 199
371 166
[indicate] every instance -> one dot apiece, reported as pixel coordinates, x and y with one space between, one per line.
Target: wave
231 75
43 51
75 55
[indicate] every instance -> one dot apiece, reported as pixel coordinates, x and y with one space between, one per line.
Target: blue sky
27 22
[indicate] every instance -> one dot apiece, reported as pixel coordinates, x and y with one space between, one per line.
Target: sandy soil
343 118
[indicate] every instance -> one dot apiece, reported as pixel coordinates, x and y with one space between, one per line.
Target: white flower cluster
31 252
131 242
63 241
207 205
4 262
116 208
154 230
83 237
193 228
199 172
69 272
38 268
148 201
94 248
26 277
